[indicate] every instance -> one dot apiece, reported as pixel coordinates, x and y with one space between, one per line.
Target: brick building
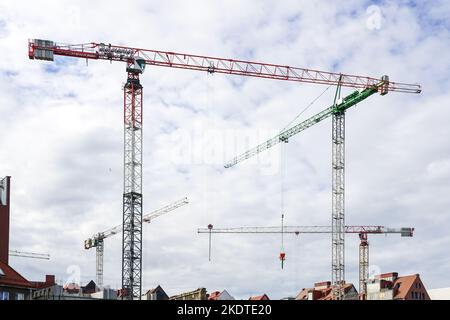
157 293
260 298
389 286
217 295
323 291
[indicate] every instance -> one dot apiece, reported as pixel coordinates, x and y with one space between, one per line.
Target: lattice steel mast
364 263
338 200
132 195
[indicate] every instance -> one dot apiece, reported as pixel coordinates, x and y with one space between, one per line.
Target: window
20 296
4 295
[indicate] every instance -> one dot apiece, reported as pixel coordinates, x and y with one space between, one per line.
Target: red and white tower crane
136 59
362 231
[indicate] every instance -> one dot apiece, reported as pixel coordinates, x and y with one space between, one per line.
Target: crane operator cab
138 66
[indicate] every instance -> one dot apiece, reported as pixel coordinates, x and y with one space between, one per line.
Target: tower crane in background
32 255
337 112
97 240
136 59
362 231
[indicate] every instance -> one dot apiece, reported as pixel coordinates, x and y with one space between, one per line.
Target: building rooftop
403 285
321 291
262 297
10 277
403 288
214 295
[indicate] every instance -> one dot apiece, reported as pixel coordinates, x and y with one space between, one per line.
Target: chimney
392 276
50 279
5 187
322 285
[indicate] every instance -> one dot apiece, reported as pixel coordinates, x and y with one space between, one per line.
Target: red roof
72 287
214 295
10 277
404 285
263 297
321 293
49 281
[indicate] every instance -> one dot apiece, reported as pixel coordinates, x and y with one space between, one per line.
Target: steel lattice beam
96 51
405 232
348 102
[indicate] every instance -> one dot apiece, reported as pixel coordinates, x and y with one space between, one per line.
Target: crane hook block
282 258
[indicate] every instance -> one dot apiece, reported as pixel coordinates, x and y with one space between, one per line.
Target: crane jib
46 50
347 102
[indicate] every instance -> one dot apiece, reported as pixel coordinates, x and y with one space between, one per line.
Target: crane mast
132 195
363 263
136 60
338 201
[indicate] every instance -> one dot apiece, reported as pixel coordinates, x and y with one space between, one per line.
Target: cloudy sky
61 140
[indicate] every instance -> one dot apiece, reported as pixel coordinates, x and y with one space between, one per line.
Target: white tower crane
97 239
362 231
